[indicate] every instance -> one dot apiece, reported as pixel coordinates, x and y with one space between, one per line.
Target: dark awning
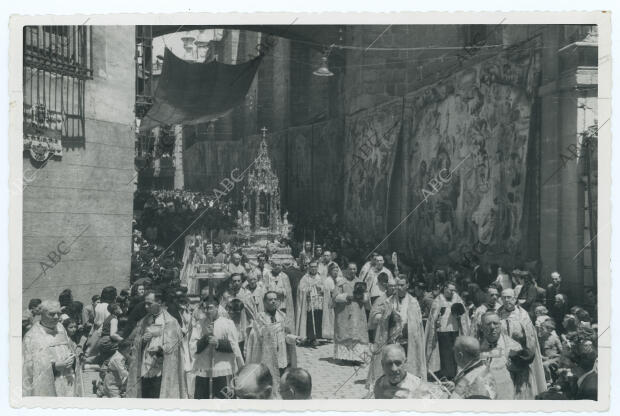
191 92
315 36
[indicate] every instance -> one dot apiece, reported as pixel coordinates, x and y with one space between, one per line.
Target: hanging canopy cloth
192 93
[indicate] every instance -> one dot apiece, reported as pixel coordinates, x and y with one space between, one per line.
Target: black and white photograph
296 209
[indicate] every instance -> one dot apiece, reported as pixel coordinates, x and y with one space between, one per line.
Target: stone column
177 154
281 75
568 96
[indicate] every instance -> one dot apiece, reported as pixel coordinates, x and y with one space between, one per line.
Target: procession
231 321
275 212
240 338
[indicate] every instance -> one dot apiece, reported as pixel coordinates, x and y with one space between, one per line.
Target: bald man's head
508 292
50 313
391 349
254 381
393 361
509 299
296 384
466 351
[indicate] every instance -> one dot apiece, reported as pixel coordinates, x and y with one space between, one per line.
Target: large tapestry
467 159
371 137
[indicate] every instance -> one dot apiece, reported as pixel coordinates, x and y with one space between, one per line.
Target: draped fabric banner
300 181
192 93
327 166
467 159
371 137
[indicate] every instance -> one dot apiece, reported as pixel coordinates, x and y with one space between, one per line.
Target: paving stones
330 380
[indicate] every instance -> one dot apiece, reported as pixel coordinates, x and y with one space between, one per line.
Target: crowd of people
468 333
163 215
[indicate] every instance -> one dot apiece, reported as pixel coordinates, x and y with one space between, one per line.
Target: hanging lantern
323 70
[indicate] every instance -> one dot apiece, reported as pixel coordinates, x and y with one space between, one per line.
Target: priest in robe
350 300
201 310
496 348
235 266
383 326
156 369
447 320
263 267
306 255
370 278
318 252
242 319
474 379
257 291
270 340
277 281
397 382
50 363
517 324
324 261
409 330
313 306
400 323
332 264
235 310
215 350
491 304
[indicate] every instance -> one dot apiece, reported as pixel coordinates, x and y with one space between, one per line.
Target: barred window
144 70
57 63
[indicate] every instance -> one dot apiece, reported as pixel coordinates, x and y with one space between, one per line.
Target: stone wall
569 106
87 196
288 97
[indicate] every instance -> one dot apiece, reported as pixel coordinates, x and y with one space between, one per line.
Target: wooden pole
439 382
313 242
211 332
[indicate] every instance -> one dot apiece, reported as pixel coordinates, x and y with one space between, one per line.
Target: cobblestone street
329 380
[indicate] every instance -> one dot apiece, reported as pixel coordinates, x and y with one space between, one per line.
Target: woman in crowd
76 336
110 336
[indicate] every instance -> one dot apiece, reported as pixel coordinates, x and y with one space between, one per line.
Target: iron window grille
57 62
144 70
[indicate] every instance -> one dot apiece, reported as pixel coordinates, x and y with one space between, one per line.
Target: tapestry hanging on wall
471 131
371 137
